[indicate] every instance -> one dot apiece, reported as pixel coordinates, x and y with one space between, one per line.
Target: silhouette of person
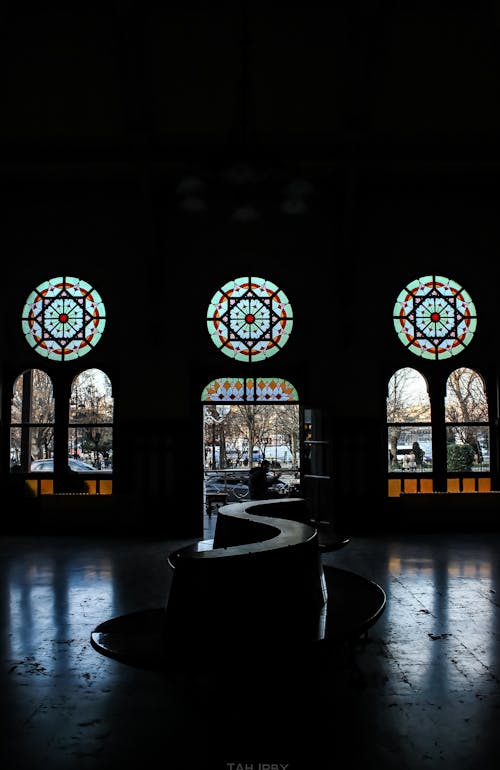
259 483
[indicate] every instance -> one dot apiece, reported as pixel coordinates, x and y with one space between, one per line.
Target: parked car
236 486
47 466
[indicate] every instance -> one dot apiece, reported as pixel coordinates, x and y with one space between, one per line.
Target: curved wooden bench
261 579
258 588
296 508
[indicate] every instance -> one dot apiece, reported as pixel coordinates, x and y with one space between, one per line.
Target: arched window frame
90 423
62 319
29 433
442 474
63 474
435 318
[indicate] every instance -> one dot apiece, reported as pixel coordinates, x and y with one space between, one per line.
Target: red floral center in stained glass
434 317
249 319
63 318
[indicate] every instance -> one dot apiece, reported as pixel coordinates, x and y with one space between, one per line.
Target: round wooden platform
141 639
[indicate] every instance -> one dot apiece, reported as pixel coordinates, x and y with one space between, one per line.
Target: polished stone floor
423 691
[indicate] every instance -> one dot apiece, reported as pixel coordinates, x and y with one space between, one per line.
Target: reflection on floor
425 694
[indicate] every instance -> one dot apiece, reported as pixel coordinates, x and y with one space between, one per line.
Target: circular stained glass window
434 317
63 318
249 319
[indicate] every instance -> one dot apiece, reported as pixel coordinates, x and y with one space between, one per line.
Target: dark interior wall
157 266
195 75
160 150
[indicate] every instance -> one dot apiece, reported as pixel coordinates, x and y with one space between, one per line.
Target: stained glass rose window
434 317
250 319
63 318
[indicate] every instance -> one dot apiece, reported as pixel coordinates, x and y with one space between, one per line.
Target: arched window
230 389
446 449
247 420
61 433
462 429
409 425
31 420
90 427
467 422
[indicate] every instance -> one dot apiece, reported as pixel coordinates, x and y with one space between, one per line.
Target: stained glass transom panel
249 319
63 318
434 317
248 389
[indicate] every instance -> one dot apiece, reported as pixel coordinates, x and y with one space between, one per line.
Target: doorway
238 436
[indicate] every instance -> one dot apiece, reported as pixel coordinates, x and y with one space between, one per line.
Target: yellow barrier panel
468 485
394 488
426 486
410 486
